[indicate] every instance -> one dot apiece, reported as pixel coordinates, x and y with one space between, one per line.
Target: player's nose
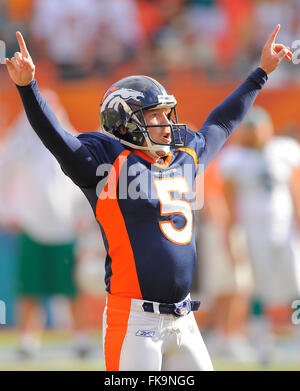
164 119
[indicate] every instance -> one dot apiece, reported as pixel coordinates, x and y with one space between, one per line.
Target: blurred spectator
48 210
152 19
268 13
220 39
226 278
66 29
85 35
118 34
261 182
207 24
184 34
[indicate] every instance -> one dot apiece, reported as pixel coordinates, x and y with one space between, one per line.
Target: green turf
220 365
60 341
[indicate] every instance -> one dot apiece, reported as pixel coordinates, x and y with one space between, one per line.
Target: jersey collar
149 159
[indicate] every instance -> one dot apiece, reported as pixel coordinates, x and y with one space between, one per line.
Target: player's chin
161 153
164 151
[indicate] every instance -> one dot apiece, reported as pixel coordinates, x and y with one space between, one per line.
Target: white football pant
135 340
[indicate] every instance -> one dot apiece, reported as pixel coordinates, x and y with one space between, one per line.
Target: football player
138 174
261 185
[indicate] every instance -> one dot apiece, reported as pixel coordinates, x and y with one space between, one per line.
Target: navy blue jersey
144 209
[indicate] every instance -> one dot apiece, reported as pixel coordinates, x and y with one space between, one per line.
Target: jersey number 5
169 206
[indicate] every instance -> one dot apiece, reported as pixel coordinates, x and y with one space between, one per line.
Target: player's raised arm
226 117
20 67
73 156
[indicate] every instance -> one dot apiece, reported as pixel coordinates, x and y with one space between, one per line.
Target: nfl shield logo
183 308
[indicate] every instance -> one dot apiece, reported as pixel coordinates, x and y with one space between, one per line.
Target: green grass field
57 355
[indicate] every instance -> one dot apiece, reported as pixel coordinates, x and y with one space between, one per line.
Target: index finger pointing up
22 44
273 35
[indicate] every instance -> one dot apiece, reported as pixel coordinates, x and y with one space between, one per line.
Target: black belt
178 309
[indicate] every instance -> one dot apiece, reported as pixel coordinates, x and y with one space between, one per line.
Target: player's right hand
20 67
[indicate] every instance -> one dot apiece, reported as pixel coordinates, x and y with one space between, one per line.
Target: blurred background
200 50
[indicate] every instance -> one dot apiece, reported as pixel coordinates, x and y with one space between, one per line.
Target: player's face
257 136
159 134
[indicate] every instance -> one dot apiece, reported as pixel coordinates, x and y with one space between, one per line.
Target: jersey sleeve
75 156
225 118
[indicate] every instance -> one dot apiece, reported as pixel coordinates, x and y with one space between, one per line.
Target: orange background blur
195 100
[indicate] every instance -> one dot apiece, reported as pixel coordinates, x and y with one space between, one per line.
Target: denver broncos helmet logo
114 94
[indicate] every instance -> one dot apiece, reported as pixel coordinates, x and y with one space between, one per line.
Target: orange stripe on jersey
124 281
117 315
191 152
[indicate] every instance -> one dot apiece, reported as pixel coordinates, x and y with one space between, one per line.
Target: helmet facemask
142 127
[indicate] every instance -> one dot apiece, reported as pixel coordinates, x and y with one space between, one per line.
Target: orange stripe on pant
117 315
124 280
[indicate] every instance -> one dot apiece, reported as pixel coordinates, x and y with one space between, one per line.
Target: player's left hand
273 53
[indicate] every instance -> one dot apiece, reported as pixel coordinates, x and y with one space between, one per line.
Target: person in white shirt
261 184
48 211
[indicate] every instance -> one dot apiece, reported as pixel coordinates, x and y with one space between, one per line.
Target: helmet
256 116
123 105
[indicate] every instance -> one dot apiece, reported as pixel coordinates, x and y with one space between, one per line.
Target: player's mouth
166 139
